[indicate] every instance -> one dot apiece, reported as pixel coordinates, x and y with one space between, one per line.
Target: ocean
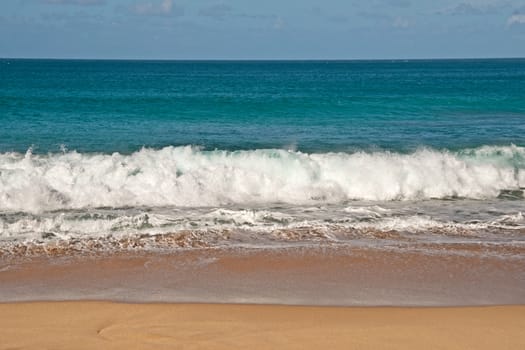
162 155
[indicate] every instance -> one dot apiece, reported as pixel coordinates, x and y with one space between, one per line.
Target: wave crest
190 177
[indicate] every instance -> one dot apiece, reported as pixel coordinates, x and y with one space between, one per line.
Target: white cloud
400 23
517 18
162 8
278 24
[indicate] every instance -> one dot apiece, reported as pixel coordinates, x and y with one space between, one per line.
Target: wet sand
337 276
102 325
204 298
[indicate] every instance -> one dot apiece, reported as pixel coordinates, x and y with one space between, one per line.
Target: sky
263 29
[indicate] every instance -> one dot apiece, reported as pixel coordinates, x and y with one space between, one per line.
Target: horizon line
262 59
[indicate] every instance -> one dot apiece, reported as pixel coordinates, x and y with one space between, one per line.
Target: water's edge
295 276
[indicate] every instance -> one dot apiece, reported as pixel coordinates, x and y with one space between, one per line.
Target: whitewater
189 176
191 197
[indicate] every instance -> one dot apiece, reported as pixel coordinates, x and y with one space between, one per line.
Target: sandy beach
223 299
103 325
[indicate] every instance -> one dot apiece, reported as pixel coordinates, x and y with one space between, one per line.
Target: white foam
189 177
247 217
517 220
250 224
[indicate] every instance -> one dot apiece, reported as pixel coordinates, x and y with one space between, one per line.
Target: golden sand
105 325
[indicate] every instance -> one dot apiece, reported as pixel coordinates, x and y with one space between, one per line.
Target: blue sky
269 29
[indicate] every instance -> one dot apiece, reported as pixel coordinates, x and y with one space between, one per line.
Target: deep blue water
311 106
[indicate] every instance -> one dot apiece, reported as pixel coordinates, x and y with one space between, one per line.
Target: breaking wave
191 177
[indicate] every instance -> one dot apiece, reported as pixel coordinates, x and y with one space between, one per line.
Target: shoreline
292 298
109 325
276 305
322 276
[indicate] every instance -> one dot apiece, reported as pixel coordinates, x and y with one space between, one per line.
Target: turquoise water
310 106
271 152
